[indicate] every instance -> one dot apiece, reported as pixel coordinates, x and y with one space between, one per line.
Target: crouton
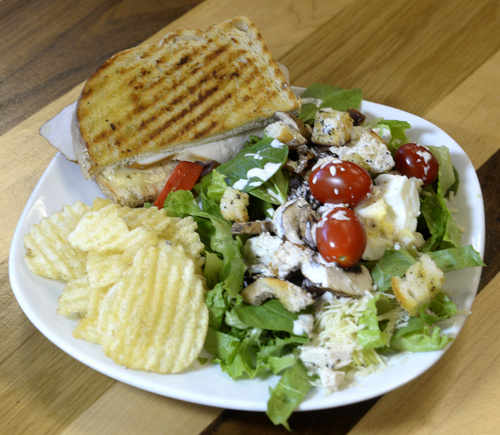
233 205
332 127
419 286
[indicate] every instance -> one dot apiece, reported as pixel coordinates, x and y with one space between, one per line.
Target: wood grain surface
49 46
437 59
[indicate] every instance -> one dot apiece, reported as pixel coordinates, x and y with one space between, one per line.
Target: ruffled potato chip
134 278
155 318
49 253
75 297
105 230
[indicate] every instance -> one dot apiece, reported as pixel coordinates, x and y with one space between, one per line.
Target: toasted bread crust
422 281
192 88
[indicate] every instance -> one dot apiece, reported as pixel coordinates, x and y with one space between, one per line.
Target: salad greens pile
259 341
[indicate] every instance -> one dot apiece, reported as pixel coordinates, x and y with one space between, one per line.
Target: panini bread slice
193 88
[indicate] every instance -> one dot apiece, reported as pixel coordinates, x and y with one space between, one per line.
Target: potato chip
49 253
155 317
87 328
134 277
99 203
104 230
182 231
75 297
105 268
152 217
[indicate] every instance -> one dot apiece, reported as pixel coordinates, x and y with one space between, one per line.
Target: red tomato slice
341 237
340 182
184 177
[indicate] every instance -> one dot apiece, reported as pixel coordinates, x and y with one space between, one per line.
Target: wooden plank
395 59
124 409
283 25
327 421
42 61
471 113
489 177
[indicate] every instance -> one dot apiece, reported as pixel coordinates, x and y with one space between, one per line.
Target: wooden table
437 59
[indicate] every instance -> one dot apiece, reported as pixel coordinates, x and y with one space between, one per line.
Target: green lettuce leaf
288 393
278 364
218 302
215 233
370 336
271 315
441 308
212 186
447 175
275 190
398 132
444 232
456 258
393 263
421 334
418 336
252 352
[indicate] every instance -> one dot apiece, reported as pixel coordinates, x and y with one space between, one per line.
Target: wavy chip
49 253
155 317
134 278
104 269
75 297
182 231
105 230
99 203
87 328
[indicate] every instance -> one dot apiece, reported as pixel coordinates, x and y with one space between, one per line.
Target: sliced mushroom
254 227
294 220
295 123
329 276
293 298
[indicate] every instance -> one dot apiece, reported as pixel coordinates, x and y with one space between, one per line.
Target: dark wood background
49 46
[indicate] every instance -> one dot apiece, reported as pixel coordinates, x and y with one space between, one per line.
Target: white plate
62 183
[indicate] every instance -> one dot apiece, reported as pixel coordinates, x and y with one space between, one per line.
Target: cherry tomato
341 237
415 160
340 182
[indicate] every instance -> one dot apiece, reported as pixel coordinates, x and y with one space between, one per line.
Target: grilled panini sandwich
146 105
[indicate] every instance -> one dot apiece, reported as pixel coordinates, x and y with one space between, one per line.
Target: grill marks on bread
193 86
